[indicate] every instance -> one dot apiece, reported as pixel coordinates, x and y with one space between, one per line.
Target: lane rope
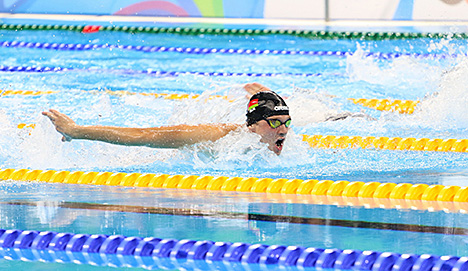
398 202
25 92
391 105
400 191
204 51
387 143
312 34
171 254
400 106
35 69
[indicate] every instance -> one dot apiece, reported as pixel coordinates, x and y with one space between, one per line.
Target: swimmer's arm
253 88
158 137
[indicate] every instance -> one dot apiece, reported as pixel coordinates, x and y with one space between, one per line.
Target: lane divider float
303 193
35 69
25 92
314 34
248 184
168 96
387 143
400 106
205 51
157 253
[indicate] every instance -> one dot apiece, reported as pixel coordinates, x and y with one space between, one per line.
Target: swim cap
265 104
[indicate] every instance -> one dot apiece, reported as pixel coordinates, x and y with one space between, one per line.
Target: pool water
316 86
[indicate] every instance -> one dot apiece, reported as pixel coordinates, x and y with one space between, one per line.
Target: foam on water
242 149
448 107
440 84
398 73
206 109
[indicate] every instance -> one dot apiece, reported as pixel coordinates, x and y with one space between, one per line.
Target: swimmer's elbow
183 135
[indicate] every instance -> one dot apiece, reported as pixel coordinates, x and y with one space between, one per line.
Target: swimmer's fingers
57 118
253 88
63 124
66 138
52 114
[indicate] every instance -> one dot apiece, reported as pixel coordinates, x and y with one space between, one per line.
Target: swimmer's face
274 137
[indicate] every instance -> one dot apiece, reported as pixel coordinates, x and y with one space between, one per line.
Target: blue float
235 251
309 256
445 263
366 260
347 258
290 255
327 258
385 261
272 254
253 253
164 248
216 252
150 253
424 263
199 250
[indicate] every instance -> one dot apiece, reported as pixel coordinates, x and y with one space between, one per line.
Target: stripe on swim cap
253 104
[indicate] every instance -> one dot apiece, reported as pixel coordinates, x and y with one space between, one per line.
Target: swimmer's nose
282 129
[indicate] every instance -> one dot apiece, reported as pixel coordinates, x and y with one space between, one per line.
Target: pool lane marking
204 51
387 143
390 105
293 27
25 92
449 197
252 216
34 69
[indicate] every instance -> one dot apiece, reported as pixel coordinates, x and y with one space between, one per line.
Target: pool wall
416 10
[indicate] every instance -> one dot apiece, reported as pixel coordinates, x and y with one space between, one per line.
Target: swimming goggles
275 123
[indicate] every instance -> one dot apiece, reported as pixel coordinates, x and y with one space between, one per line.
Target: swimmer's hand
63 124
253 88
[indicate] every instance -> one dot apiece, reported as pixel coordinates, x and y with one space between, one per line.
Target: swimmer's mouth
280 142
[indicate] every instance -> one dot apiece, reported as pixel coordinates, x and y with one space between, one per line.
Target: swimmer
267 116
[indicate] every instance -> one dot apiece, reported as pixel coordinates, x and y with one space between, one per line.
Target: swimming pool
317 75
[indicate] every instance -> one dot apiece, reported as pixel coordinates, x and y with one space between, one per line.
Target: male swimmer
267 116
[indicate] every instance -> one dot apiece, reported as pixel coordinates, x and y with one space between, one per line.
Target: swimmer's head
268 116
263 105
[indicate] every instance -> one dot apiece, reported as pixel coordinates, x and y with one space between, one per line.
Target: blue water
81 93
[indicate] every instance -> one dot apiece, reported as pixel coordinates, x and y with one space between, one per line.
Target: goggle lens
275 123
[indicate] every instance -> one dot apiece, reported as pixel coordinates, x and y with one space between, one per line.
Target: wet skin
271 136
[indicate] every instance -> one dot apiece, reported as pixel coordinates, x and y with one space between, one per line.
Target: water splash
42 148
405 70
311 106
206 109
242 149
439 84
448 107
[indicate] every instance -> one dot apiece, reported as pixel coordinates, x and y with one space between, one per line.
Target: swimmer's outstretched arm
158 137
253 88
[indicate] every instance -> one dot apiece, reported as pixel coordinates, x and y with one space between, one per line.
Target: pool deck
337 25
